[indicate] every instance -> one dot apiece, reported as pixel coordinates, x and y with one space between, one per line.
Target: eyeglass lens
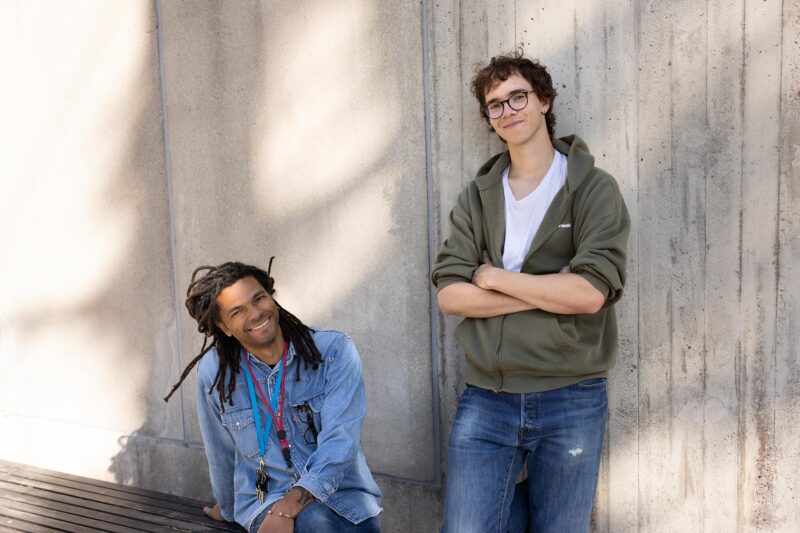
516 101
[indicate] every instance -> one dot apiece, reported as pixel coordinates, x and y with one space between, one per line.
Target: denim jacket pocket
306 410
241 425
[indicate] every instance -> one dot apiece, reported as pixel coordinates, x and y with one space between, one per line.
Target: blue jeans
558 434
317 517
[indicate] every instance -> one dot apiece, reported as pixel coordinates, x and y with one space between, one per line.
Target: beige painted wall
86 314
143 138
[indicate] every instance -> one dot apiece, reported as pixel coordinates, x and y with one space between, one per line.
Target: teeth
259 326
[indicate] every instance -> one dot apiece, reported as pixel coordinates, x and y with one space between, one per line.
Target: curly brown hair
500 68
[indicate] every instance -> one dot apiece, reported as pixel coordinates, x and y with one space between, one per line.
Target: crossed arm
494 291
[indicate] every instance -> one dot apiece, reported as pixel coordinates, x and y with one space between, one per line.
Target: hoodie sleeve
458 256
601 227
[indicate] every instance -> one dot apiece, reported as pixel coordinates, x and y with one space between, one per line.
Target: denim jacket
333 469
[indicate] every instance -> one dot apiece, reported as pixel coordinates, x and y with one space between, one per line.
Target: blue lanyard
263 436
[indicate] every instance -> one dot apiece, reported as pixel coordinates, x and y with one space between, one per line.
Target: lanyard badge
262 478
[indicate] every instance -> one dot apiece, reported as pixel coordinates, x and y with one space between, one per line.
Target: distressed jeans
557 434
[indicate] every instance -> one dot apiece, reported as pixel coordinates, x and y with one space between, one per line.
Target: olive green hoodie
586 226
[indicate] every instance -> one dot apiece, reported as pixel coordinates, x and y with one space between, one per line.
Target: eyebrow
509 95
259 292
255 295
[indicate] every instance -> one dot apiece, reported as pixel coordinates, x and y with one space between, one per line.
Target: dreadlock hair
201 301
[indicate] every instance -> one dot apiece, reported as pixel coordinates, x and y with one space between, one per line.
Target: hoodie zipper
565 205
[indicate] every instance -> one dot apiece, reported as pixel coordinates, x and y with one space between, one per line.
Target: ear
225 330
545 108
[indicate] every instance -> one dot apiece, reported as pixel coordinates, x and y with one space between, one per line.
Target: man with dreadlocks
280 407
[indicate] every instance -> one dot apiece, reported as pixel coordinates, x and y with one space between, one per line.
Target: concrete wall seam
432 246
170 206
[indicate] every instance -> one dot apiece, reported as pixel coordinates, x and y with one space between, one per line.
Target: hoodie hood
579 163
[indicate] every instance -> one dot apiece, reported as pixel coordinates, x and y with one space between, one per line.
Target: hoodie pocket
562 331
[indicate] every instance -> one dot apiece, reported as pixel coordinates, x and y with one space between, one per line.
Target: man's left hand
280 519
275 523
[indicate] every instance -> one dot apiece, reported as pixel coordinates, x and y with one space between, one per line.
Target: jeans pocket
593 383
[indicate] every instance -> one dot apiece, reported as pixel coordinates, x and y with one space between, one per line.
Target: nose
253 312
507 105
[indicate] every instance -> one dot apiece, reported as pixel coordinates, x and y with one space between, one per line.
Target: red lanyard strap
278 420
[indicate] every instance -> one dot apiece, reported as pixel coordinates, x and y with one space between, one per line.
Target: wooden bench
33 499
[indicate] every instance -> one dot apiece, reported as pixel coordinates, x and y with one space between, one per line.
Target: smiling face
518 127
248 313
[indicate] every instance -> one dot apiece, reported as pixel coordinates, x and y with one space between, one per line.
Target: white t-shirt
524 216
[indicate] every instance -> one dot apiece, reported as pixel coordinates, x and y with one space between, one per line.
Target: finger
565 270
486 258
213 512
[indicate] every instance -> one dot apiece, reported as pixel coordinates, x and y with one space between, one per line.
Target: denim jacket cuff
321 489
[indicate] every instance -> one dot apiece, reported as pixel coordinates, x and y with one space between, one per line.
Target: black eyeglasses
516 101
311 429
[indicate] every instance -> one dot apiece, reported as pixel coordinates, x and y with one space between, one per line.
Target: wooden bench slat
14 525
38 498
35 519
107 494
151 517
63 515
33 472
34 504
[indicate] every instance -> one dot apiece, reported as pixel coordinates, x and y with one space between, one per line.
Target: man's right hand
214 513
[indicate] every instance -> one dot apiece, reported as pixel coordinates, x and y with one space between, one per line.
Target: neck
531 161
271 354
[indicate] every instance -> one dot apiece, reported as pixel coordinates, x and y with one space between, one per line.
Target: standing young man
534 261
280 407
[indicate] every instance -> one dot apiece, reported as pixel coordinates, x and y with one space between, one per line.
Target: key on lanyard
262 481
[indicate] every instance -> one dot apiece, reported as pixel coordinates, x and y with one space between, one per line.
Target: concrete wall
695 108
142 139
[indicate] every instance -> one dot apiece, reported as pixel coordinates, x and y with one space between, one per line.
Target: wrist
295 500
301 494
494 280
